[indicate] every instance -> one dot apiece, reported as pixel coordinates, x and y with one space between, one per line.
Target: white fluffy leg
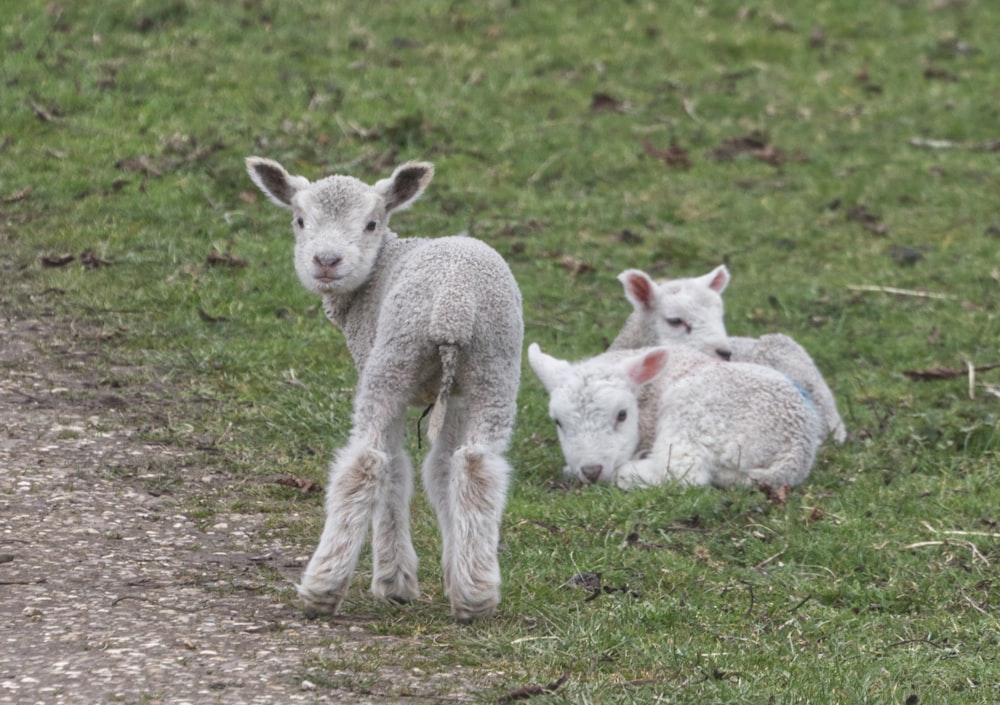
436 472
667 461
436 420
637 473
394 569
350 496
477 494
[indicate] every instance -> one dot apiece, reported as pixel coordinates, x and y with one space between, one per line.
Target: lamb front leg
638 473
666 462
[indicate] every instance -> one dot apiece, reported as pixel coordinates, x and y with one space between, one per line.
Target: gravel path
111 593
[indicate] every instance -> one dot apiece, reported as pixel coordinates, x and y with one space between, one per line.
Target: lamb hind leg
477 494
350 497
394 570
361 472
436 472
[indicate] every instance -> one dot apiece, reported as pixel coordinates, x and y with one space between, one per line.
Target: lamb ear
639 289
644 368
405 185
718 279
550 370
276 183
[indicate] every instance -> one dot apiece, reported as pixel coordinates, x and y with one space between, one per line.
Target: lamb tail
449 366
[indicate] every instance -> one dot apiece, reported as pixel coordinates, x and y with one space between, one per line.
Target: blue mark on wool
805 394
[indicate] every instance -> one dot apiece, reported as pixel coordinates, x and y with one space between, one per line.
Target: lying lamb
426 320
690 311
687 311
644 417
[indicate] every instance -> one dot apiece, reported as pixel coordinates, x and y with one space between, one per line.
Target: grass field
842 158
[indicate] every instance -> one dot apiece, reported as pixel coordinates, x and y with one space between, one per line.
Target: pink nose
326 259
592 473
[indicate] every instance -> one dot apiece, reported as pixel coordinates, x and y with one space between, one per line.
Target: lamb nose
592 472
326 260
724 354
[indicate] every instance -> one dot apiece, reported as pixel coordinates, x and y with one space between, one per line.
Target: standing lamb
690 311
645 417
426 320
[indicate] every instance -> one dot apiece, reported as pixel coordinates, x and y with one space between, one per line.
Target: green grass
123 127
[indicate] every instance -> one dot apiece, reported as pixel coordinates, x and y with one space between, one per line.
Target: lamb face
597 421
595 406
687 311
340 223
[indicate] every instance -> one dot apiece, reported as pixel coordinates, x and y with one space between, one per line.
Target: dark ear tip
424 167
416 171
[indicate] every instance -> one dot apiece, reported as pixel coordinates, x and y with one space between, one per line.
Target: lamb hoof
624 482
319 603
399 588
466 611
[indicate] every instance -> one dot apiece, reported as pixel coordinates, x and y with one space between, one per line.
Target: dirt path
111 592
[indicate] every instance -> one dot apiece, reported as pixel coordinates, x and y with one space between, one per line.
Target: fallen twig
56 260
957 532
801 602
530 691
306 486
41 112
209 318
770 558
988 146
973 604
19 196
898 292
904 642
752 600
526 639
688 106
545 165
948 372
976 554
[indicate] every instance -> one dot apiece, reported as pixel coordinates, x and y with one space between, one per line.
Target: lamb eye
371 226
622 415
675 322
300 222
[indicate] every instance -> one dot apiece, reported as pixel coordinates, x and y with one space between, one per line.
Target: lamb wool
689 311
674 414
426 320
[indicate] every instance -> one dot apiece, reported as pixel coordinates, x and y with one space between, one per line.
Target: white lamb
690 311
426 320
645 417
